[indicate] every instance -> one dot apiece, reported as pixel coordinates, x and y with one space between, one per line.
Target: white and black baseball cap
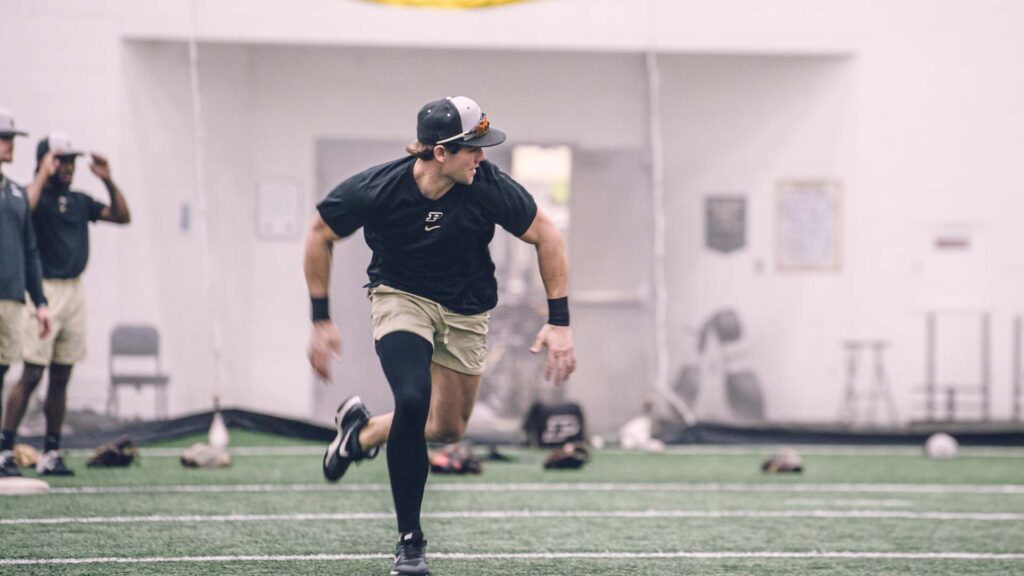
60 143
456 120
7 129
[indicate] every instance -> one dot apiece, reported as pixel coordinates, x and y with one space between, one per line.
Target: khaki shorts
12 330
460 341
66 342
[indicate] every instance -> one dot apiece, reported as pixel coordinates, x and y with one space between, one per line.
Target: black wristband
558 311
321 311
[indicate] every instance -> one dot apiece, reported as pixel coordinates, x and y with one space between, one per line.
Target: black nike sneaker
410 555
352 415
8 465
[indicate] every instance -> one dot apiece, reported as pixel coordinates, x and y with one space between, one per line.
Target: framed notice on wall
725 223
808 225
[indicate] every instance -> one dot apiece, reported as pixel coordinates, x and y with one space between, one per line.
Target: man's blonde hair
426 151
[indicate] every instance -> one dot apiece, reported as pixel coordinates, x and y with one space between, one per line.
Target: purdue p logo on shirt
433 217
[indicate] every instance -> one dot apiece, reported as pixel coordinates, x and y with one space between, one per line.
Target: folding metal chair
137 341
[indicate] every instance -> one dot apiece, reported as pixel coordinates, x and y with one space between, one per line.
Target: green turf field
700 510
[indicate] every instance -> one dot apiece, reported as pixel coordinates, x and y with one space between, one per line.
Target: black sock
3 372
52 442
7 440
354 447
405 358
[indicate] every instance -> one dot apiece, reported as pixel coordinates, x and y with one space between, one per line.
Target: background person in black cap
61 217
428 218
19 271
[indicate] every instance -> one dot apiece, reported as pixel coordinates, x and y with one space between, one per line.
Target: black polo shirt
435 249
19 258
62 220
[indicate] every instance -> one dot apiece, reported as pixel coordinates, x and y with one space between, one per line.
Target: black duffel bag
548 425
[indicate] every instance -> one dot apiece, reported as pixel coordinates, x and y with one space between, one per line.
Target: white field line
828 450
715 450
797 488
239 451
535 556
527 514
851 503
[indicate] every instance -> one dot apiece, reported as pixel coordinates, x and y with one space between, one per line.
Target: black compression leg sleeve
6 441
405 358
3 372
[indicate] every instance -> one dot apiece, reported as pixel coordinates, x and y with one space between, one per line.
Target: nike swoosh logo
333 448
429 228
343 448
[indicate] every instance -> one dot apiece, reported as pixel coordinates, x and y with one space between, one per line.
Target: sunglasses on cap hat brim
479 136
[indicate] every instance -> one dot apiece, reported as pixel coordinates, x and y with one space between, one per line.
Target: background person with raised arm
61 217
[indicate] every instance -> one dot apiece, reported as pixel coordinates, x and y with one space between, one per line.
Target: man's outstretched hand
324 345
561 355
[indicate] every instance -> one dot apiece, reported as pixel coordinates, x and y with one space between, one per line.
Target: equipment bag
548 425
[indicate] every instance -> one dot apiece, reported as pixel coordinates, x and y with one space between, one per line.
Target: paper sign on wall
808 225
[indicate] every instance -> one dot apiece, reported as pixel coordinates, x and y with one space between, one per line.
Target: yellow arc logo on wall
448 3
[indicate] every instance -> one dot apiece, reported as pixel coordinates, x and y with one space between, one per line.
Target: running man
428 218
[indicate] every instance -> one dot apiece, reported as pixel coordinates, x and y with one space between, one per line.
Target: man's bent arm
551 255
117 212
325 342
46 168
319 244
554 271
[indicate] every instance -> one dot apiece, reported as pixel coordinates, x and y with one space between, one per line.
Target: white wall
736 126
937 130
161 143
916 107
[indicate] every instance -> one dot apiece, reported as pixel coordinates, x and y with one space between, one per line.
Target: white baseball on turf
941 445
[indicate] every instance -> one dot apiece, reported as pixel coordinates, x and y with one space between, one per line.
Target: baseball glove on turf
571 456
120 452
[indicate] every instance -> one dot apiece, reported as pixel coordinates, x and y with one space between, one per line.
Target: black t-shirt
435 249
62 221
